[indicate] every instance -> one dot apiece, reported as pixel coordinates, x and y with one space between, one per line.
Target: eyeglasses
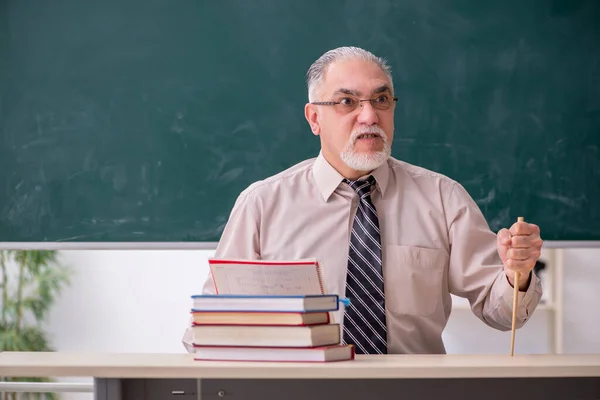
348 104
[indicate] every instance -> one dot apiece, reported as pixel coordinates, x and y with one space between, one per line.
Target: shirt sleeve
240 239
476 271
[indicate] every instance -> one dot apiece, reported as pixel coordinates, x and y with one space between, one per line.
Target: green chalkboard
142 120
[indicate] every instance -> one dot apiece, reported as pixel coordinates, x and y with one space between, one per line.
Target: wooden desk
178 376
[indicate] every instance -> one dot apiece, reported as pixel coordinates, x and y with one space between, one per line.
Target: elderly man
395 238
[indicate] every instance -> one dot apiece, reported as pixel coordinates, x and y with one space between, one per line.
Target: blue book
266 303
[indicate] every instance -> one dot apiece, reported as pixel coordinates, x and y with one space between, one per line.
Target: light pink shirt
435 241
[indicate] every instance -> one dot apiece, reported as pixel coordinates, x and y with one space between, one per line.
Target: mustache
363 130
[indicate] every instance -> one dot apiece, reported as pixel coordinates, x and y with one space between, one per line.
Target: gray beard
365 162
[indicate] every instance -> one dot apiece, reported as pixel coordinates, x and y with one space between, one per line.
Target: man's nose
367 114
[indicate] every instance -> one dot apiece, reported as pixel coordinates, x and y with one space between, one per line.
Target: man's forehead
355 75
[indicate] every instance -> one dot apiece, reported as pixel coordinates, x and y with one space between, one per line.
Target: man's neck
354 175
343 169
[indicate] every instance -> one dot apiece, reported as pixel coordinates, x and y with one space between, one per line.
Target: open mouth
368 136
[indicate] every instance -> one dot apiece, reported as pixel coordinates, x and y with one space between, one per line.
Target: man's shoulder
289 176
429 181
417 172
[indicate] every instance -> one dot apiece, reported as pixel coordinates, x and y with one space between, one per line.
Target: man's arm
240 239
476 270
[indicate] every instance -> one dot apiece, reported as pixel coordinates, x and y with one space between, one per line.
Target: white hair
316 72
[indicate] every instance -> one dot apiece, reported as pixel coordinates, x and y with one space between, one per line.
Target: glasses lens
381 102
346 104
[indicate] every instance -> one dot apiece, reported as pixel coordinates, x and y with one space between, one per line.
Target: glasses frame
360 101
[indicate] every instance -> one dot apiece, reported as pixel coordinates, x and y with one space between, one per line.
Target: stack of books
267 328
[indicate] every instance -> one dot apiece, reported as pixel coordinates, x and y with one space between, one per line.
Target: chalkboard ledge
550 244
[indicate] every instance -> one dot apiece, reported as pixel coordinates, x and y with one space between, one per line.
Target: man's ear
311 113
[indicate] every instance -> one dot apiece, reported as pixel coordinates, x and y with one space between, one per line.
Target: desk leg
107 389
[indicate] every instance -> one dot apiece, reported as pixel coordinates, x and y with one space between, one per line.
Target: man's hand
519 248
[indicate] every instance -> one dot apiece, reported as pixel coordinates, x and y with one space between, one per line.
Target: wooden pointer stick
515 303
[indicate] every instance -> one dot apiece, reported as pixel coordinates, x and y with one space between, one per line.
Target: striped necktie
364 320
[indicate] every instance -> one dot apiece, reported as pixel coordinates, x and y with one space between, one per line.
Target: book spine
212 275
321 279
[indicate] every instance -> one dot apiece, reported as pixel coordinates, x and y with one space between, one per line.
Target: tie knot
362 188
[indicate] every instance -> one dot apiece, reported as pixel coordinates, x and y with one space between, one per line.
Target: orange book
258 318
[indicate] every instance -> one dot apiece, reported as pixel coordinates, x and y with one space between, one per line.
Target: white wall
138 301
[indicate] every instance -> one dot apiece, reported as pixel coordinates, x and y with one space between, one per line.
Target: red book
339 352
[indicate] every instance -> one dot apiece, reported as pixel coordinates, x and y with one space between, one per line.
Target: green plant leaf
8 337
33 338
37 281
29 338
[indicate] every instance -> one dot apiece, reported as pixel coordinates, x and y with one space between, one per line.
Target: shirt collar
328 179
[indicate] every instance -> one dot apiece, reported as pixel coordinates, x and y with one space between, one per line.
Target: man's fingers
504 236
524 248
522 266
521 254
526 241
524 228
